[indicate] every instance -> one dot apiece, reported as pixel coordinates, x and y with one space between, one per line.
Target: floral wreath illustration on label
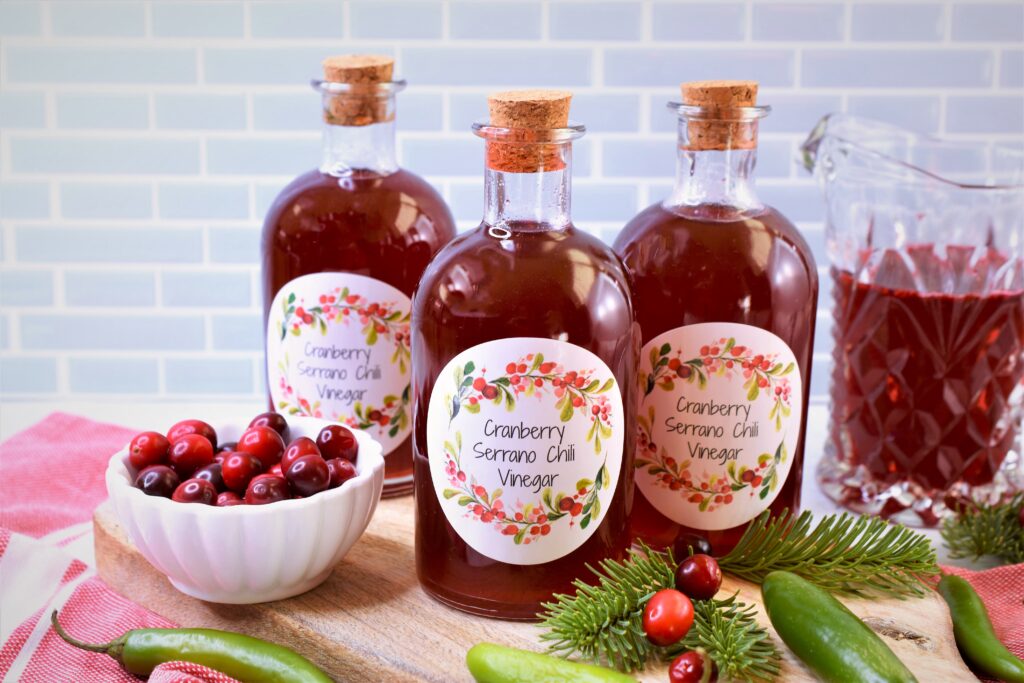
379 320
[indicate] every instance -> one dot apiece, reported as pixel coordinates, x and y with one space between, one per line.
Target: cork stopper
530 112
719 97
362 104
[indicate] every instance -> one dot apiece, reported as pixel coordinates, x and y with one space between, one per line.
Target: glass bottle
524 353
725 290
344 247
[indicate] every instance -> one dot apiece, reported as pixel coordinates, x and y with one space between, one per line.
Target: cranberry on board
699 577
267 488
184 427
148 448
687 544
300 446
195 491
264 443
308 474
341 471
157 480
213 473
668 616
190 452
238 469
228 498
690 667
336 441
273 420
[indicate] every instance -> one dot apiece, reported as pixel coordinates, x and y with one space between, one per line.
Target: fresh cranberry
228 498
308 474
238 469
667 618
341 471
300 446
699 576
184 427
190 452
336 441
273 420
264 443
689 668
195 491
157 480
212 473
685 542
267 488
276 470
228 447
148 448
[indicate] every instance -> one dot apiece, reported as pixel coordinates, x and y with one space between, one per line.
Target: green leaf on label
606 431
465 500
775 369
665 348
450 493
473 408
731 468
728 345
605 481
752 394
567 411
546 497
789 369
608 384
291 298
537 360
295 331
764 493
496 494
595 512
510 403
590 387
519 535
503 381
371 336
584 484
704 504
593 431
468 368
585 522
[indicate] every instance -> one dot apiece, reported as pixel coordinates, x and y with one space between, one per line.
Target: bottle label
719 421
338 349
524 438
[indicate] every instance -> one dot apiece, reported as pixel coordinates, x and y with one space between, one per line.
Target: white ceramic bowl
250 553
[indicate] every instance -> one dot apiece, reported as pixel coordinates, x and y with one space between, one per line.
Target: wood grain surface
370 621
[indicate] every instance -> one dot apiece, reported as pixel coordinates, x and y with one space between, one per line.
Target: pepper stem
105 648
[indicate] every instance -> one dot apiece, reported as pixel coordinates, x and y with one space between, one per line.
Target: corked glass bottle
344 247
524 354
725 290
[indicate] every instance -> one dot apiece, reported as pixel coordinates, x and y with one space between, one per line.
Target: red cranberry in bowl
336 441
195 491
273 420
184 427
276 470
341 471
308 474
189 453
267 488
238 469
264 443
157 480
213 473
148 448
228 498
300 446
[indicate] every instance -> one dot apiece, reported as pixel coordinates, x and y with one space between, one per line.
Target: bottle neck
349 147
533 201
714 177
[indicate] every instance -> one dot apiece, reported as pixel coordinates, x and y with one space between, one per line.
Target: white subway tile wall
144 140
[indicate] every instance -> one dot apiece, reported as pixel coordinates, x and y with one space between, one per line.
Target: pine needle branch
987 530
728 631
852 554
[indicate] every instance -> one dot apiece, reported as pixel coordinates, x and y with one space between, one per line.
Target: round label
524 438
718 422
338 349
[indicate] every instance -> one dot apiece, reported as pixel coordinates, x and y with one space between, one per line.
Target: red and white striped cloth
51 479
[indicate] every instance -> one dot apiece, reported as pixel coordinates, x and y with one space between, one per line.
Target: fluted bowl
249 553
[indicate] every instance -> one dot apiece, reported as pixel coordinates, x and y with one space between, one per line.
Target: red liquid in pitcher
755 270
922 383
563 285
387 227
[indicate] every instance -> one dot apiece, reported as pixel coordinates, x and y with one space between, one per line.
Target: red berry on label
336 441
266 488
699 576
238 469
184 427
668 616
308 474
509 369
275 421
479 383
228 498
148 448
190 452
264 443
157 480
195 491
341 471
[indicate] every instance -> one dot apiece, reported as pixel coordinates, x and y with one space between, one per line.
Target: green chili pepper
974 635
490 663
826 636
248 659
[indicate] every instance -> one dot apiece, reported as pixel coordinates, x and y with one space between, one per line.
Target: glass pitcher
926 242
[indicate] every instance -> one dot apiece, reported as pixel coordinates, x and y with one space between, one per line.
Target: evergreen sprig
979 530
728 630
844 553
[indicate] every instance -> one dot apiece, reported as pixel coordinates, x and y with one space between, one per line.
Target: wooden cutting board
370 621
